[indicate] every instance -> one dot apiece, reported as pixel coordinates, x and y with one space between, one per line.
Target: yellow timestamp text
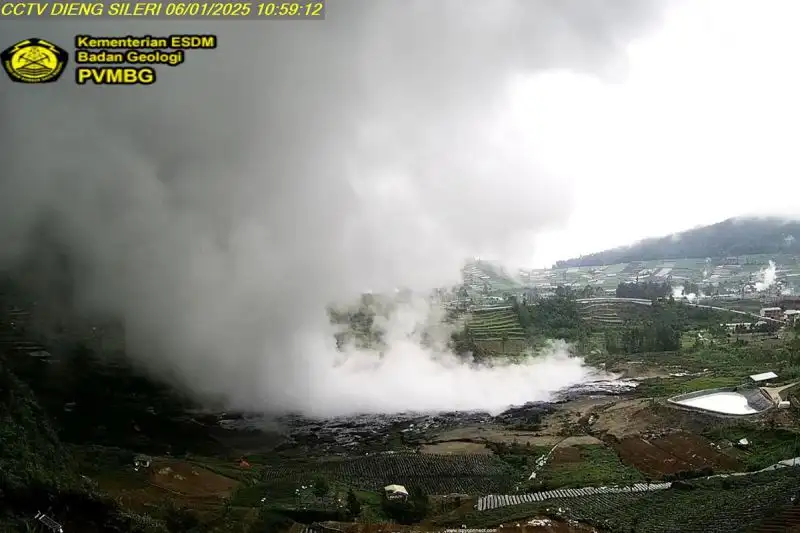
290 9
208 9
246 9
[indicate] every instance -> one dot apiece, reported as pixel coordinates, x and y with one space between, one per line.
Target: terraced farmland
435 474
710 506
492 325
497 331
608 313
679 452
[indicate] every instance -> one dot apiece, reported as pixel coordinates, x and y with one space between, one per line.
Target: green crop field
592 465
498 331
435 474
611 313
494 325
714 505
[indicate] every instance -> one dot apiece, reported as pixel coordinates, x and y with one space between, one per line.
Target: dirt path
774 392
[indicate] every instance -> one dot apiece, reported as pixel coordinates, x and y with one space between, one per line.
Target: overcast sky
702 126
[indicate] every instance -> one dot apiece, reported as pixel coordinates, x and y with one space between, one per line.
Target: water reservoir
730 401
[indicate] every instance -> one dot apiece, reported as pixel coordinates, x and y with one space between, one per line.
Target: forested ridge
732 237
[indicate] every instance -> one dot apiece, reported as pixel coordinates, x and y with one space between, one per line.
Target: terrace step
498 338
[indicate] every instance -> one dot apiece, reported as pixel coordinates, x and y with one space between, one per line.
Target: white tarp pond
729 402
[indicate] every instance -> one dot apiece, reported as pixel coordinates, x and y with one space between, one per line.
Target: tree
612 342
732 237
409 511
503 341
181 519
793 347
463 293
717 330
690 288
321 487
646 290
599 291
269 521
587 291
420 503
353 505
565 292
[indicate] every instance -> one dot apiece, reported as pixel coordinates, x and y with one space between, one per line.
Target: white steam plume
767 276
679 293
217 212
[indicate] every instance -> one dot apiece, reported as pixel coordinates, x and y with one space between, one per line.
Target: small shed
763 379
395 492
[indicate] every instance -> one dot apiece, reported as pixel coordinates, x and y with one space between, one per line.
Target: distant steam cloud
218 212
767 277
679 293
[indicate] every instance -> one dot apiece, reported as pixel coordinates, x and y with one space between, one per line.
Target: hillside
732 237
38 473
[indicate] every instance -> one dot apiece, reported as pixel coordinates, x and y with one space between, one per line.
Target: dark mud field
383 432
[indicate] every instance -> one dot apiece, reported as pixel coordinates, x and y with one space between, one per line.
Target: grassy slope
732 237
32 453
598 465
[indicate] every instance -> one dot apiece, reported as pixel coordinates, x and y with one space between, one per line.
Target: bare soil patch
190 480
649 459
697 451
568 417
138 492
456 447
625 418
586 404
134 493
676 452
552 440
640 370
497 434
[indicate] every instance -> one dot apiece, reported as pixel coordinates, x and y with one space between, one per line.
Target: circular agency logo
34 61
